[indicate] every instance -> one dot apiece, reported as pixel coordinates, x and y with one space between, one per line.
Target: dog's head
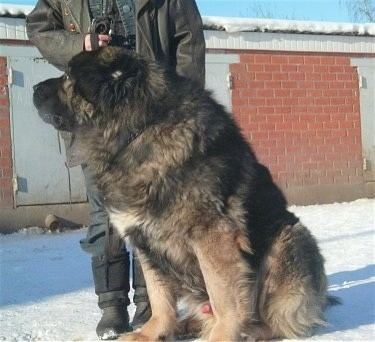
97 87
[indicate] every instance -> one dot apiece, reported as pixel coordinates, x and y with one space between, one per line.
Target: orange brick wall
301 114
6 192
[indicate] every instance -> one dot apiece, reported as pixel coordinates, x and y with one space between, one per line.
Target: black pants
109 253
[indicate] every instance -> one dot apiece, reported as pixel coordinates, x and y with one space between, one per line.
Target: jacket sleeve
189 40
45 29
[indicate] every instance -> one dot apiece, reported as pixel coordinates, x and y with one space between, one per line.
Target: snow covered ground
46 290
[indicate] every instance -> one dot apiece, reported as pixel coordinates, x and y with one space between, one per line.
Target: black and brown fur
182 184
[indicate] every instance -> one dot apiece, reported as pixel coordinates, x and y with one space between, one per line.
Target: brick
344 77
313 92
266 110
258 118
306 84
256 101
272 68
322 85
311 60
274 101
4 122
239 101
285 68
320 68
255 67
256 84
329 77
7 172
238 68
340 101
268 126
263 76
4 101
342 60
5 163
351 85
290 101
305 68
295 59
272 84
247 58
265 92
336 68
275 118
337 85
279 59
289 84
246 93
313 76
5 183
296 76
347 93
327 60
278 76
262 59
282 92
305 101
283 110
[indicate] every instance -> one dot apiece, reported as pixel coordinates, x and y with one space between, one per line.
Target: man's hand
94 41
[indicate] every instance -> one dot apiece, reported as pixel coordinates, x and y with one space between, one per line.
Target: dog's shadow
356 291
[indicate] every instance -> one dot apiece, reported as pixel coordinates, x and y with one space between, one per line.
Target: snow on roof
12 10
247 24
291 26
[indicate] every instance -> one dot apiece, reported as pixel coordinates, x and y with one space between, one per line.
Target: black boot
114 322
143 308
111 278
142 313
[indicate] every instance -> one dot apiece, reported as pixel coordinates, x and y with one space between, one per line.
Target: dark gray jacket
58 28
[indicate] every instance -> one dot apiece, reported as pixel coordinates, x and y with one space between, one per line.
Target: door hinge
230 81
10 75
365 165
15 184
361 82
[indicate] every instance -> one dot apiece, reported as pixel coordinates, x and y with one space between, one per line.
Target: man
169 31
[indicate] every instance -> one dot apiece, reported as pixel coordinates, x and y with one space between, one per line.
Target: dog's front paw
134 336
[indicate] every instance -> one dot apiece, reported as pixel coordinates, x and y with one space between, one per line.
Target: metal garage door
218 77
366 72
38 153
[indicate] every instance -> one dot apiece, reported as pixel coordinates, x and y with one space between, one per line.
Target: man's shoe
142 314
114 322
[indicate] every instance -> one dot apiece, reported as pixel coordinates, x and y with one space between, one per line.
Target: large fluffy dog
182 184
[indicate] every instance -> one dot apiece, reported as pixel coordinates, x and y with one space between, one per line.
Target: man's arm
189 39
45 29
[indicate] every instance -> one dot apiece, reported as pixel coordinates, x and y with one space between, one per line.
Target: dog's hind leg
162 323
292 293
226 275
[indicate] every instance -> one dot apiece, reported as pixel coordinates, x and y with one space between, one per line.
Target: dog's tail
333 300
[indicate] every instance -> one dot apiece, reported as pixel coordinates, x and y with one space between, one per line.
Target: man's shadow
356 291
